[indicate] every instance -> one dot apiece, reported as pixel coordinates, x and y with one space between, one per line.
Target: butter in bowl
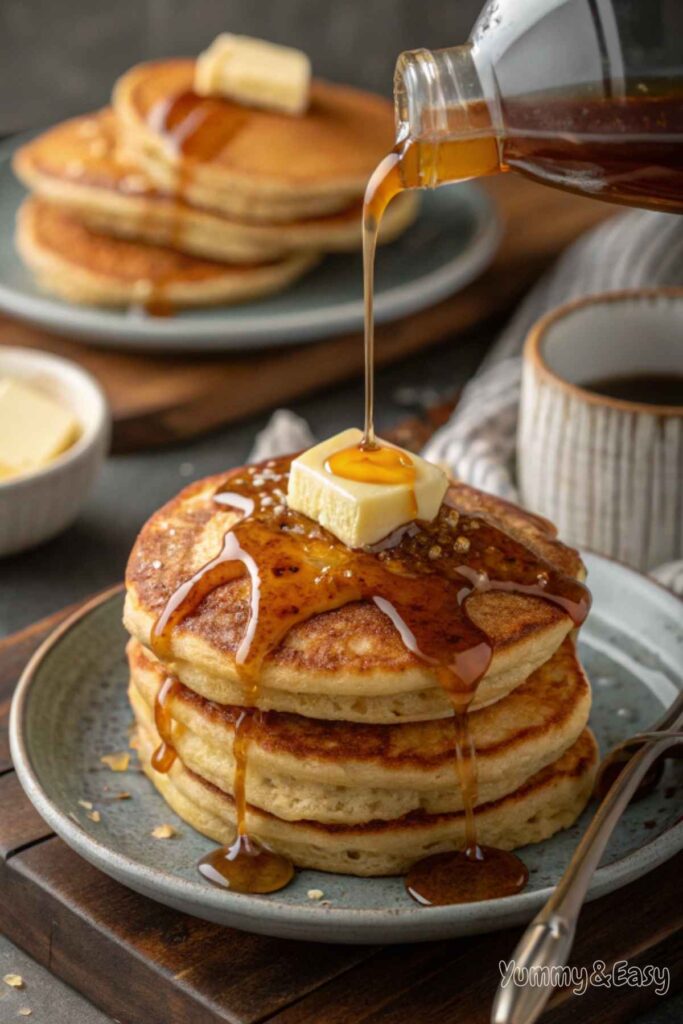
54 435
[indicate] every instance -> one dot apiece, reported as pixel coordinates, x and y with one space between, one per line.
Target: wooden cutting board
140 961
157 399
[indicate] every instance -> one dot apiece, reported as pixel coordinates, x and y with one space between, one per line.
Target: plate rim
258 913
104 327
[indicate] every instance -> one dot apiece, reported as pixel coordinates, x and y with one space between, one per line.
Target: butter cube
34 428
356 512
254 72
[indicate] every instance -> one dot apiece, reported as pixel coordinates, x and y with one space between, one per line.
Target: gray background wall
60 57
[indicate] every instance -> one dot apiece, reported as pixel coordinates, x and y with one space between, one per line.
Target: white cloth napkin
632 250
284 432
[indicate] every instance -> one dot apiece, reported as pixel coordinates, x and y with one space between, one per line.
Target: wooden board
161 398
140 961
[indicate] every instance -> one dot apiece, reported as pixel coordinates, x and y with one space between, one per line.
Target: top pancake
351 657
260 164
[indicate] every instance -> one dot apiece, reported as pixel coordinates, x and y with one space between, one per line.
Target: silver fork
548 940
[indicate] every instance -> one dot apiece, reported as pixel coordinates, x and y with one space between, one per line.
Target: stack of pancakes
351 764
170 198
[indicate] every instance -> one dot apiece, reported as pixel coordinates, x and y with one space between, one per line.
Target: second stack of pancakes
169 196
351 765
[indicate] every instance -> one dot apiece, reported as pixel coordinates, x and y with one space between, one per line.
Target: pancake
77 165
254 164
550 800
82 266
349 663
342 773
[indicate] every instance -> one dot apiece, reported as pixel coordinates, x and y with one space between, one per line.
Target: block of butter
356 512
254 72
34 428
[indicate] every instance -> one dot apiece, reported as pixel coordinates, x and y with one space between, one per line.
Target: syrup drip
384 184
196 129
466 876
245 865
164 756
297 570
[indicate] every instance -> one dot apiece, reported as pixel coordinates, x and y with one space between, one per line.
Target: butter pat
255 73
356 512
34 428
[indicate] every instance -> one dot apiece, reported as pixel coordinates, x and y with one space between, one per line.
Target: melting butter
254 72
361 495
34 428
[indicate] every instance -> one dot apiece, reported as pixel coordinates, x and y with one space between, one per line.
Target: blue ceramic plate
70 708
454 238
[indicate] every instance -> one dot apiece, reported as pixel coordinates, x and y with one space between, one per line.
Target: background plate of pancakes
71 709
257 245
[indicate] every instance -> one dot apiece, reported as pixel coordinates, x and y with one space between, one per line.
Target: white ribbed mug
607 472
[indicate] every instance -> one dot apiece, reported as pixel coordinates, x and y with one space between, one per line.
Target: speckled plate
453 239
70 708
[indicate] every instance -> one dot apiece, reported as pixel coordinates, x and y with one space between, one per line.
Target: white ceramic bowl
38 506
607 472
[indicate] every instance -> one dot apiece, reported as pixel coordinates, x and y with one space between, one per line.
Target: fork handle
548 940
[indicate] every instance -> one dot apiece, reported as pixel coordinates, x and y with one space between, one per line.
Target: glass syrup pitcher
585 95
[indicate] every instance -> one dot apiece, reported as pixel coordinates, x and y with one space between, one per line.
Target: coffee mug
600 435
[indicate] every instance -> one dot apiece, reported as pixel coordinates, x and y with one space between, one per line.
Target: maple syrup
465 876
405 167
245 865
622 149
626 150
375 463
164 756
196 129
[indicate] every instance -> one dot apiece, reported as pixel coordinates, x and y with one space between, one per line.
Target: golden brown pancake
83 266
77 165
254 164
550 800
338 772
350 663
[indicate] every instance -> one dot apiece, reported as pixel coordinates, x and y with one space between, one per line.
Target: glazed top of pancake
356 640
343 135
82 150
52 230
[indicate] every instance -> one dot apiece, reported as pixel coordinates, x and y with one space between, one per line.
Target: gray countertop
93 553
